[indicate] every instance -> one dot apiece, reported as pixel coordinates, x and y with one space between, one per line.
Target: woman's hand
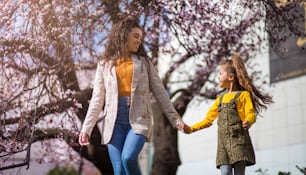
83 139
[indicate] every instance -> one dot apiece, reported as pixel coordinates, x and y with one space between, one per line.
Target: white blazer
103 105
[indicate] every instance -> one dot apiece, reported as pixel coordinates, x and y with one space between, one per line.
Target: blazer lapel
112 79
137 72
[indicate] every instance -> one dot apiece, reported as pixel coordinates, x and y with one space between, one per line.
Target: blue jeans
239 169
125 145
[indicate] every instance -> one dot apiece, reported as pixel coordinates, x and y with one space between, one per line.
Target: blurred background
49 51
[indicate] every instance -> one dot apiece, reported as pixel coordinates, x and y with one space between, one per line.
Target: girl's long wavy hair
236 66
117 40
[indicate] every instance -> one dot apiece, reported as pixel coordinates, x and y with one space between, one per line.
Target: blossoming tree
46 45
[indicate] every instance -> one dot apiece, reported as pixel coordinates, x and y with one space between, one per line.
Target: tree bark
166 158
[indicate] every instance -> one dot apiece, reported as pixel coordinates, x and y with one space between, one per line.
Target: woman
121 98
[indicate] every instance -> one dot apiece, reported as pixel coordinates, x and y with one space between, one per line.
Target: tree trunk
166 158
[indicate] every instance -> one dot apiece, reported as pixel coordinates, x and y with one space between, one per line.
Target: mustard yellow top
124 72
245 109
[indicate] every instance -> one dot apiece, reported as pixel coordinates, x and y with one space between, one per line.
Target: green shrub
67 170
265 172
283 173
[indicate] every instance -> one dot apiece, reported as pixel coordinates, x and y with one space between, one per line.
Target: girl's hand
183 127
83 139
187 129
246 125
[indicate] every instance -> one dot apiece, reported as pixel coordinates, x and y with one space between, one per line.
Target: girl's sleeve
248 112
211 115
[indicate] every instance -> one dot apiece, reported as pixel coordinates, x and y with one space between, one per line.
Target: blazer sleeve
161 96
96 102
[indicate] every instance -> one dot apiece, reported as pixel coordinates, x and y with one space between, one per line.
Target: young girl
236 111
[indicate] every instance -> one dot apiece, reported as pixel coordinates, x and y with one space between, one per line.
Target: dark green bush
265 172
67 170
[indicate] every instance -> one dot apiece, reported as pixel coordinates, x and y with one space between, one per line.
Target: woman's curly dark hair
117 39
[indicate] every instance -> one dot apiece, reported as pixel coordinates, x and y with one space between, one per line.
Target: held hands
187 129
183 127
83 139
246 125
